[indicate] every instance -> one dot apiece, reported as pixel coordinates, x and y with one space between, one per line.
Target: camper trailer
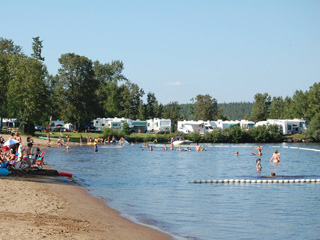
287 126
210 125
227 124
100 123
56 126
158 125
246 124
68 127
192 127
113 123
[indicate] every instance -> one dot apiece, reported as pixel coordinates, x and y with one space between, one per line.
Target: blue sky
179 49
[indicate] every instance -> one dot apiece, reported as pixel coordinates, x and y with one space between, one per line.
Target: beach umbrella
10 142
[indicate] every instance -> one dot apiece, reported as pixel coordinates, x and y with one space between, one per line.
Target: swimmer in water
275 157
272 174
237 153
258 165
259 148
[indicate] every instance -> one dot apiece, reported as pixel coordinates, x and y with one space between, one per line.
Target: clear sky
178 49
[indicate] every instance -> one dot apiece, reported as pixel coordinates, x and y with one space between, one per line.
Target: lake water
153 188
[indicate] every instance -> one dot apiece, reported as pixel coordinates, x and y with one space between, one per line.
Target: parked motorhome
158 125
287 126
192 127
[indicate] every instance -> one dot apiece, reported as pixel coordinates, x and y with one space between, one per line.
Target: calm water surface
152 188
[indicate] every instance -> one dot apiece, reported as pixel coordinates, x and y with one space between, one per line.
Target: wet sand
44 207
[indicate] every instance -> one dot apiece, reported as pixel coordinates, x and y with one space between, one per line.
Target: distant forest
228 111
236 110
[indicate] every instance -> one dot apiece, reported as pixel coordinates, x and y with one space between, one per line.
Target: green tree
37 49
313 101
205 108
78 87
129 100
7 52
172 111
27 91
261 106
277 108
152 106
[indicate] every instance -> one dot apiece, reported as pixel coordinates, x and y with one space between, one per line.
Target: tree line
83 90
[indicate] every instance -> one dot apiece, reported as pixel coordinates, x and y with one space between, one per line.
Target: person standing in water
258 165
275 157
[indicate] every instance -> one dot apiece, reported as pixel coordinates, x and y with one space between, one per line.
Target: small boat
179 140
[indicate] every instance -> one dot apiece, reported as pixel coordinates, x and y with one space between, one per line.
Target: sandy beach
38 207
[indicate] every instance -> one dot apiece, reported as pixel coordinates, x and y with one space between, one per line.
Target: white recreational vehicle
226 124
113 123
287 126
68 127
159 125
246 124
192 126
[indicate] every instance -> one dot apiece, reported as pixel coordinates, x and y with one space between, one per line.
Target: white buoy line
258 181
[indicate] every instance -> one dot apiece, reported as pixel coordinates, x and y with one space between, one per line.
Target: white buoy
269 181
259 181
297 180
237 180
253 181
242 181
203 181
280 181
220 181
275 181
231 180
308 180
248 181
291 181
302 180
318 180
312 180
286 181
225 180
264 181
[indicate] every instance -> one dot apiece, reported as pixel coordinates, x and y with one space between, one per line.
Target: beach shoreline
37 207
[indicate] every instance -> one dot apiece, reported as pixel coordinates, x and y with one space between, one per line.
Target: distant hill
231 111
236 110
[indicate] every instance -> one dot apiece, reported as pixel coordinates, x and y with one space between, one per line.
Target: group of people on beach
15 155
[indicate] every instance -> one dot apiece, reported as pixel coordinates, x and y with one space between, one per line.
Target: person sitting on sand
258 165
275 157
